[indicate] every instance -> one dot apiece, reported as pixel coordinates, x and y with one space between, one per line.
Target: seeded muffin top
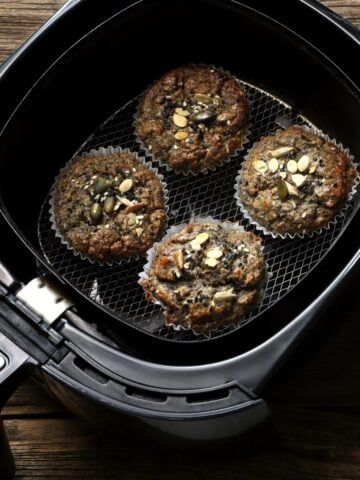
109 207
295 181
193 118
206 275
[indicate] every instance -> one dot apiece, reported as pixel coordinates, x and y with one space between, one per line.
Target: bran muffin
206 275
295 182
108 207
193 118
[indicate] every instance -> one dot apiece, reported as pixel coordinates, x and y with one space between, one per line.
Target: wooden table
316 400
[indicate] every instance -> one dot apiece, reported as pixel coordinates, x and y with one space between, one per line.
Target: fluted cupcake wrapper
99 153
304 234
245 134
151 253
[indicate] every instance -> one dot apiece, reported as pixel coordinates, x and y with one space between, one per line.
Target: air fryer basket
287 79
115 288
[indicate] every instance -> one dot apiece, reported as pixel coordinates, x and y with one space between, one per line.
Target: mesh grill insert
115 288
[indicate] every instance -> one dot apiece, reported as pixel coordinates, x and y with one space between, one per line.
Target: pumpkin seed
203 116
126 185
109 205
179 120
282 189
101 185
96 212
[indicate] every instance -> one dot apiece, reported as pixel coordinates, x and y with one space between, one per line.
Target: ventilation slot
90 371
146 395
207 397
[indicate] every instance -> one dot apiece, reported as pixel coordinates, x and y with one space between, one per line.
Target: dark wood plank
315 399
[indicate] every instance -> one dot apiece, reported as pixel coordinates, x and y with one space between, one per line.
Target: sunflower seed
279 152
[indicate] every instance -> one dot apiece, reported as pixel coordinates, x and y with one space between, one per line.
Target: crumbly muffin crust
295 181
206 275
193 118
109 207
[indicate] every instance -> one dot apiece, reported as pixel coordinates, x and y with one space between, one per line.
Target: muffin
205 275
193 118
108 207
295 182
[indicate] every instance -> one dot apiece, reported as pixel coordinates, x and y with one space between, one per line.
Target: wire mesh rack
115 288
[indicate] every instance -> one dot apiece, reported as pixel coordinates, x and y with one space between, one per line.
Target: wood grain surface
315 400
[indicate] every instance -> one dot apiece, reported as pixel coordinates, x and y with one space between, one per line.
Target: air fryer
86 331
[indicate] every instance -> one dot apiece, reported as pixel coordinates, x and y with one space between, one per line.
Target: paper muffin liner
99 153
304 234
177 228
245 134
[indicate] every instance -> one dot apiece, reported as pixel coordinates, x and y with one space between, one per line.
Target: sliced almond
260 166
282 175
273 165
179 259
181 135
225 296
292 166
279 152
134 207
182 112
179 120
126 185
303 163
211 262
292 190
214 253
202 97
298 179
139 231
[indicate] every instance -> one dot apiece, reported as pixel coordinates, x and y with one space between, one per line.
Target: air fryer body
101 56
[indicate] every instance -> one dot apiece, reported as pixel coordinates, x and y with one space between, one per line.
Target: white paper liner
103 152
245 135
177 228
304 234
